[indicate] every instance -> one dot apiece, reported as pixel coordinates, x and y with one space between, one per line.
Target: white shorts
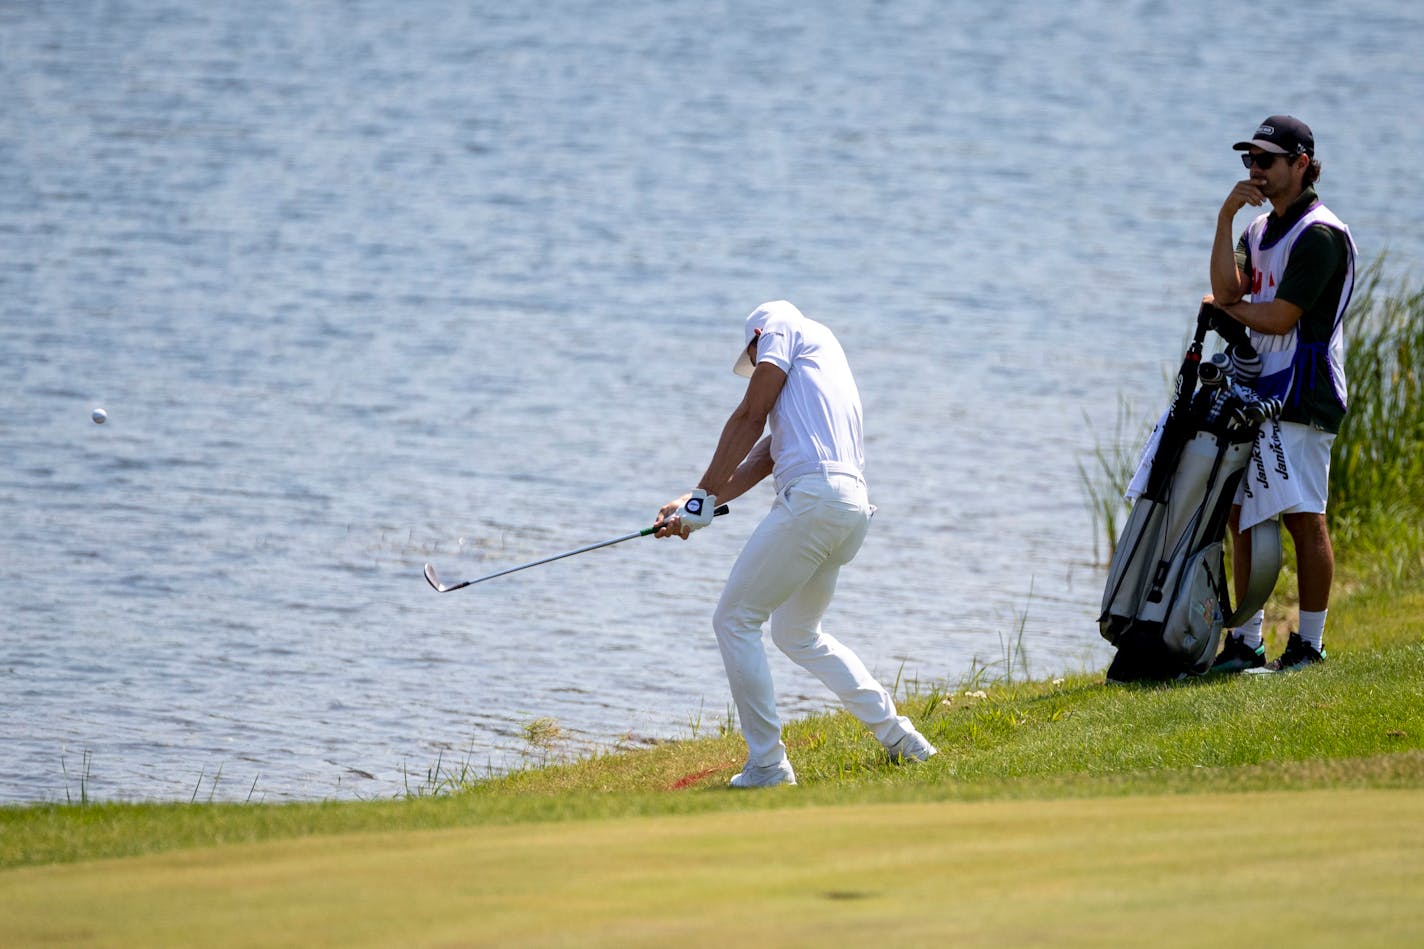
1308 449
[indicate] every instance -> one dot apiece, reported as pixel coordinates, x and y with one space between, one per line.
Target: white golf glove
696 511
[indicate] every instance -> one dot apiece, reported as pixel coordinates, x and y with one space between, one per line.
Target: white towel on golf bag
1138 484
1267 488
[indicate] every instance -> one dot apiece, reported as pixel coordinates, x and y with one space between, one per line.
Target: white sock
1312 628
1249 632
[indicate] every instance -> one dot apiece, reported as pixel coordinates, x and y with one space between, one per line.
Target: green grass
1058 812
1088 872
1357 721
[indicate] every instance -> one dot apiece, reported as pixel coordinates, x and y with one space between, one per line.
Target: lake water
362 285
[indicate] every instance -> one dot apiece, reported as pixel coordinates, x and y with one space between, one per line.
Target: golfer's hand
688 513
666 522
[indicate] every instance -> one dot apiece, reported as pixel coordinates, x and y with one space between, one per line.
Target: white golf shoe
764 776
912 746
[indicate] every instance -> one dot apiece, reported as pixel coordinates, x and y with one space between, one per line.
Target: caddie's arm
1228 281
1274 316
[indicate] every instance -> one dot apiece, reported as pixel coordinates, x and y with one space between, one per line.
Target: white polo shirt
816 422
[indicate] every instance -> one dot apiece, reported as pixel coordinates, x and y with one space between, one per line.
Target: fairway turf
1150 870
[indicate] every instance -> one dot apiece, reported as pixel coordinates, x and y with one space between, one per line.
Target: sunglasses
1262 160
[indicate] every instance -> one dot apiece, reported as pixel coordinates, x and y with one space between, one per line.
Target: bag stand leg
1265 569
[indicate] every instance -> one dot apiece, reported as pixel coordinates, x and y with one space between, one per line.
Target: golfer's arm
735 466
749 473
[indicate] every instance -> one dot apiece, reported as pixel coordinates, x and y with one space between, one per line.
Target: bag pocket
1193 625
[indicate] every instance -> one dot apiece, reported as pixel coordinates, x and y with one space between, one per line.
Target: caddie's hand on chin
1244 193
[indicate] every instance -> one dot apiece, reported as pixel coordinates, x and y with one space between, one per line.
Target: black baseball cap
1281 135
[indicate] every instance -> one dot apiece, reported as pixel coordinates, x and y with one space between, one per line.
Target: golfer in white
802 385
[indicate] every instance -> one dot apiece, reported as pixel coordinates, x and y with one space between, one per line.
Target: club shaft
567 553
721 509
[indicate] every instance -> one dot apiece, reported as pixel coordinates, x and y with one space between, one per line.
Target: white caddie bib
1280 352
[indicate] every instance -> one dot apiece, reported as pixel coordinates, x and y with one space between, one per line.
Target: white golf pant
787 572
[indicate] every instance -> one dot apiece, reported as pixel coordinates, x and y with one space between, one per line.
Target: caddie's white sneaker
912 746
764 776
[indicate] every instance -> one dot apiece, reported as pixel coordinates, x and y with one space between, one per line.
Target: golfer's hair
1312 172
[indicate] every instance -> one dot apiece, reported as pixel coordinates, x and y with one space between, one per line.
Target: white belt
784 479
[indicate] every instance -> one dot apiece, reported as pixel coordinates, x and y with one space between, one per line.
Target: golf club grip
718 511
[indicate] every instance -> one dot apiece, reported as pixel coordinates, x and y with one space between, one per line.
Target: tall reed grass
1106 477
1377 475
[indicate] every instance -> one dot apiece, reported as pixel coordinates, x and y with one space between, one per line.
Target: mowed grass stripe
1300 868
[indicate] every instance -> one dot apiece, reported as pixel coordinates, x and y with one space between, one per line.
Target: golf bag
1168 596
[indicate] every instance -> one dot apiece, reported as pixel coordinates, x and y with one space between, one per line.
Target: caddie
1288 280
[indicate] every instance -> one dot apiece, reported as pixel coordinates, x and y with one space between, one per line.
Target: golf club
433 578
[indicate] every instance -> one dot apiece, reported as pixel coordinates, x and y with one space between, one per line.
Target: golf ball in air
99 416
